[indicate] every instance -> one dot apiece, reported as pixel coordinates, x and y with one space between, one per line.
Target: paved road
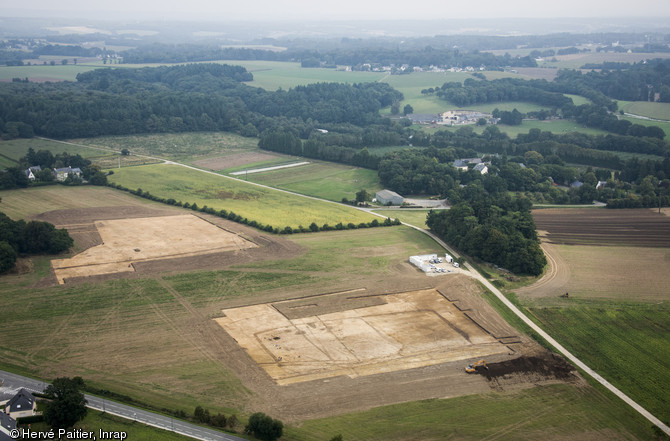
13 381
475 274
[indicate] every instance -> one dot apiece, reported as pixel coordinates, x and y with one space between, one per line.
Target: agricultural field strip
497 293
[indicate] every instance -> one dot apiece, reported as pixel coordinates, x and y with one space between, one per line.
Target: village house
7 424
23 404
63 173
31 173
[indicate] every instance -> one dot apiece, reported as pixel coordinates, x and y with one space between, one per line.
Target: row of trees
232 216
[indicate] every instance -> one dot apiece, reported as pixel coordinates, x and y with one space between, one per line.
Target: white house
481 168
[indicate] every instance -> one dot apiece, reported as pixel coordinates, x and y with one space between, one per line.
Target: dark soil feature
592 226
549 367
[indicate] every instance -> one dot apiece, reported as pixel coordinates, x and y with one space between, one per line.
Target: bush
264 427
7 257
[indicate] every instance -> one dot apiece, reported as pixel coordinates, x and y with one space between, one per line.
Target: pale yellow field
402 331
127 241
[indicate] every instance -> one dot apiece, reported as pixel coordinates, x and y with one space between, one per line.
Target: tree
407 110
362 196
264 427
7 257
67 405
125 152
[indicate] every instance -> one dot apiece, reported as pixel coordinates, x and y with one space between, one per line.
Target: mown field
322 179
416 217
17 148
264 205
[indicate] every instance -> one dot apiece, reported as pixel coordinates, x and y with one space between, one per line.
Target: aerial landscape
352 221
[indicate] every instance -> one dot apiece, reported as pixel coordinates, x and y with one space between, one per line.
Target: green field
322 179
543 412
628 343
45 73
647 109
185 147
263 205
17 148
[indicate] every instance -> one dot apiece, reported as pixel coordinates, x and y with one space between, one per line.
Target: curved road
475 274
13 381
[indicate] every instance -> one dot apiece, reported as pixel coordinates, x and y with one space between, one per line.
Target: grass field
267 206
547 412
40 73
647 109
17 148
185 147
627 342
322 179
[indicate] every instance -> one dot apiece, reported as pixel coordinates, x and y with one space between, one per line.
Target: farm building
388 197
481 168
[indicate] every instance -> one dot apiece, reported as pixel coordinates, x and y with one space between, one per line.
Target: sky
216 10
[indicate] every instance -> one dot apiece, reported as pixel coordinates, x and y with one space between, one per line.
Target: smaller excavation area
352 334
126 242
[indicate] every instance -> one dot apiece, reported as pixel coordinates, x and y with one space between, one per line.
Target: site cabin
448 258
23 404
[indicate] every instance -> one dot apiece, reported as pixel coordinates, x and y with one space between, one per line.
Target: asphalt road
13 381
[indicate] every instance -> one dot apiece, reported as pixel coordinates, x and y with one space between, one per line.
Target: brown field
235 160
615 254
577 226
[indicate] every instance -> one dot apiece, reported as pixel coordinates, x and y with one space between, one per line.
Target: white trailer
448 258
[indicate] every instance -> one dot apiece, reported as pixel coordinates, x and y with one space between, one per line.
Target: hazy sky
340 9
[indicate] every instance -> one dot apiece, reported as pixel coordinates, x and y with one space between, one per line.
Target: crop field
322 179
613 264
264 205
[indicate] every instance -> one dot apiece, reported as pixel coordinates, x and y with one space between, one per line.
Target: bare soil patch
615 254
139 241
224 162
385 334
578 226
361 341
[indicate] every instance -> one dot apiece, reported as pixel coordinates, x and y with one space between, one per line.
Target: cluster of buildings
61 174
22 404
453 118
